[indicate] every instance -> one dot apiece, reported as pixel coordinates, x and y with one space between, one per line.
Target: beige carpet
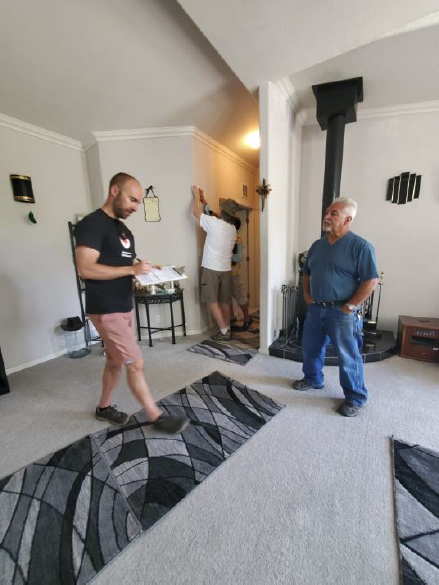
307 501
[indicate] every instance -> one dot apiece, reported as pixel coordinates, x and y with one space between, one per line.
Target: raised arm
197 208
89 269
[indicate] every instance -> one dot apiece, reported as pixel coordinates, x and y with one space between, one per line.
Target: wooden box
418 338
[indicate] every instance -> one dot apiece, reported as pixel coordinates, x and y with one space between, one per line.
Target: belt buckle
329 304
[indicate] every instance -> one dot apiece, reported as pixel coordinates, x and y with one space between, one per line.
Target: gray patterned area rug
416 481
64 517
239 350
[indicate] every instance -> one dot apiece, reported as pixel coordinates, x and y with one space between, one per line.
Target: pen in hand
141 267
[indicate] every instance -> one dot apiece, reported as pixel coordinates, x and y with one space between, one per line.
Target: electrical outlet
157 319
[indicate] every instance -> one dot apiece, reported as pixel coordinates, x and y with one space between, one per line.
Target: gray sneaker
347 409
222 336
112 415
171 424
303 384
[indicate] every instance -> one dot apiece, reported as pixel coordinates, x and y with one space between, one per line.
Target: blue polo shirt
336 270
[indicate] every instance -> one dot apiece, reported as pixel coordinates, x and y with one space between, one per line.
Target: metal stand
81 290
370 325
158 299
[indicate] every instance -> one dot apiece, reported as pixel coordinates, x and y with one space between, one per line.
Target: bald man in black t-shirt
105 254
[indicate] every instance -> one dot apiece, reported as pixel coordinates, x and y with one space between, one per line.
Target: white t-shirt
220 239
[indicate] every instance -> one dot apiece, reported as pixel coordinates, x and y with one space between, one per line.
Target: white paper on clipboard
159 276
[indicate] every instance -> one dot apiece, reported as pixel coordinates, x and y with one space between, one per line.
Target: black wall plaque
22 188
404 188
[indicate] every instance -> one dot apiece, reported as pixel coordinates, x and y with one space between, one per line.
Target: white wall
165 163
171 164
98 189
406 237
280 166
37 278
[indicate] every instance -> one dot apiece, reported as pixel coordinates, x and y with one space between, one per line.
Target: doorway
250 254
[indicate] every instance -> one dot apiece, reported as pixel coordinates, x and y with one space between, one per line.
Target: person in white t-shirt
216 263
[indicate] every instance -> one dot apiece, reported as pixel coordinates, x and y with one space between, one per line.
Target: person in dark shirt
340 273
105 256
238 292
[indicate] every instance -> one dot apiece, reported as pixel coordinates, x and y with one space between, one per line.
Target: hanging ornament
151 205
263 190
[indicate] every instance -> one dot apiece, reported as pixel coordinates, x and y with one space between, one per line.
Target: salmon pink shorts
117 333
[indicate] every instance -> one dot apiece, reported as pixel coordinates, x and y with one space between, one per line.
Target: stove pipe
336 107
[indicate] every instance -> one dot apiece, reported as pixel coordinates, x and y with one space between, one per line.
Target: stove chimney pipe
336 107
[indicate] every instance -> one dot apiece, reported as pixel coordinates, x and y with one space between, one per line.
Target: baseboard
52 356
41 360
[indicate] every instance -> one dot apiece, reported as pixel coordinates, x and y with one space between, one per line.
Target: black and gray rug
239 350
66 516
416 482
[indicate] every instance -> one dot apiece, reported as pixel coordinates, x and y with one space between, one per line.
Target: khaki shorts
238 290
117 333
215 286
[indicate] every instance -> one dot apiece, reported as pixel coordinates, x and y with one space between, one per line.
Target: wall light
22 188
253 140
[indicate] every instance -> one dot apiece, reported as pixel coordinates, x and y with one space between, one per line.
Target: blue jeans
344 331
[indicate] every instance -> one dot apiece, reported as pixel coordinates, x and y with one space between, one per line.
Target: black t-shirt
115 243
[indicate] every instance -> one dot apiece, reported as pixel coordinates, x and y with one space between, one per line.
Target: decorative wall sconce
151 205
22 188
263 190
404 188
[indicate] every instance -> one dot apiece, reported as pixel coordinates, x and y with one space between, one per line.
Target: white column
280 167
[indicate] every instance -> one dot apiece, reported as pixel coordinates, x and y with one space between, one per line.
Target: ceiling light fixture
253 140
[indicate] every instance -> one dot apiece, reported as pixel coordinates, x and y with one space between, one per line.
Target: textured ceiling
78 66
74 67
265 41
401 69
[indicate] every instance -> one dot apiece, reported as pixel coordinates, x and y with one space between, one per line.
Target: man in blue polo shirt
340 273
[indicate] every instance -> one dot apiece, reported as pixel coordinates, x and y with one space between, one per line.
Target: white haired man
340 273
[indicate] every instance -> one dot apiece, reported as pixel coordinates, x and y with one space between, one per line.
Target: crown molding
42 133
112 135
170 132
221 149
142 133
398 110
302 116
289 91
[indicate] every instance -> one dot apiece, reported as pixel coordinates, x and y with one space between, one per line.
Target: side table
159 299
